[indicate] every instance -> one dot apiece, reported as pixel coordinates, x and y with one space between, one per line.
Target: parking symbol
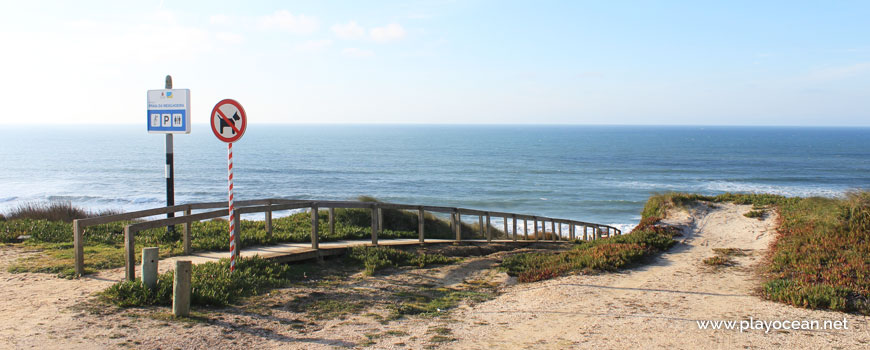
167 120
176 120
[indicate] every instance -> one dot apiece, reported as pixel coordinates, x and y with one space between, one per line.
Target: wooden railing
267 206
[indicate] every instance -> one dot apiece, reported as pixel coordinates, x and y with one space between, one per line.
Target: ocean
600 174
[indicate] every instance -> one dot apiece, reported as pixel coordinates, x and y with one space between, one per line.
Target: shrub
756 214
212 284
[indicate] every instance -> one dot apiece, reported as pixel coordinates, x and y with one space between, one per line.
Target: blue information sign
169 111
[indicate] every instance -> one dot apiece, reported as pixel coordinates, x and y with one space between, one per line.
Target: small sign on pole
228 122
169 111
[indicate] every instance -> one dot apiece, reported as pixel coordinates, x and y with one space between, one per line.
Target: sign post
169 113
228 122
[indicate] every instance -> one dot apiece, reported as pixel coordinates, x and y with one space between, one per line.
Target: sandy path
657 306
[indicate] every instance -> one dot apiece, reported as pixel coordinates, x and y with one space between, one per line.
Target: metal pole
170 172
233 247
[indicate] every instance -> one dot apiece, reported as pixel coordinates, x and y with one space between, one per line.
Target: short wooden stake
78 248
150 257
129 254
181 289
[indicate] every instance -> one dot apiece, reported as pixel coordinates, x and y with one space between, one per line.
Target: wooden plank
177 220
78 248
83 223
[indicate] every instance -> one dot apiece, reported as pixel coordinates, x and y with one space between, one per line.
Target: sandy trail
657 306
654 306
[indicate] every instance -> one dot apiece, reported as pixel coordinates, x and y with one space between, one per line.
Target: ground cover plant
608 254
821 255
48 228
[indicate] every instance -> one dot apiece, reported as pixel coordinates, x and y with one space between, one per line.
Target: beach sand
653 306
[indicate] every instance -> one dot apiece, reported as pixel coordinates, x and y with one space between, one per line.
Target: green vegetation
435 301
820 259
718 260
49 229
756 214
212 284
376 258
607 254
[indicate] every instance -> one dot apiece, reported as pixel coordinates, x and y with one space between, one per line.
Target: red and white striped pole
232 217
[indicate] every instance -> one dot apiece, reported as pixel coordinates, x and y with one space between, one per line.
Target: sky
442 62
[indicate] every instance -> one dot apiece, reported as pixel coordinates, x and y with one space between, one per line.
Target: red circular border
244 120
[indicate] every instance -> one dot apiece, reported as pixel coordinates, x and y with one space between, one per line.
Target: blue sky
539 62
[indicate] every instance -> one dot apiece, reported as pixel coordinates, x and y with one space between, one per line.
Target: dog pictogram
224 124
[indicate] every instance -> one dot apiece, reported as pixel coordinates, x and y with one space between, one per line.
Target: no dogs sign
228 121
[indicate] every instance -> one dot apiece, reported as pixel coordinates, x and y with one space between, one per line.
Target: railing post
571 231
380 219
480 225
526 229
488 231
332 221
536 228
315 223
186 234
374 225
269 219
457 224
585 233
78 248
129 254
560 231
514 217
237 232
507 235
553 229
421 223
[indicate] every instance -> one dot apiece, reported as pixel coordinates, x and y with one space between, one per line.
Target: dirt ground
654 306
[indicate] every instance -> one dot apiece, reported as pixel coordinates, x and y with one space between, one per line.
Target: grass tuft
377 258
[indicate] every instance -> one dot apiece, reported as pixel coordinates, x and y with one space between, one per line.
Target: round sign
228 120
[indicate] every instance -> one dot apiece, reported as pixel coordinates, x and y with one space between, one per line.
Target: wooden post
332 221
238 233
457 219
421 223
374 226
78 248
585 233
480 225
571 230
553 229
488 231
536 228
150 257
181 289
129 254
186 234
269 219
380 220
515 226
560 231
526 229
507 235
315 223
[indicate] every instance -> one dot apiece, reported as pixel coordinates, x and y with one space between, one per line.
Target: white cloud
390 32
220 19
284 20
356 52
313 45
229 38
349 30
